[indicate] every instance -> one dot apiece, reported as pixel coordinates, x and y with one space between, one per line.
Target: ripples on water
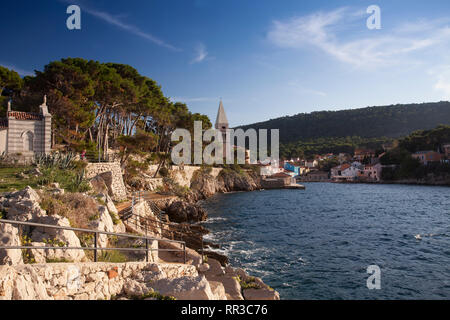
318 243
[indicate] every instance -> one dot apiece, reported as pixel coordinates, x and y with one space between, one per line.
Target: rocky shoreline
44 274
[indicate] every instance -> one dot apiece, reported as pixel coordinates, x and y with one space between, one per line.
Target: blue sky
266 59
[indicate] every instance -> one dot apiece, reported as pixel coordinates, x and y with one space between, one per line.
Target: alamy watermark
73 22
374 280
224 144
374 21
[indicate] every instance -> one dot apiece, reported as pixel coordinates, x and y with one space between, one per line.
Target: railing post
203 255
146 247
95 246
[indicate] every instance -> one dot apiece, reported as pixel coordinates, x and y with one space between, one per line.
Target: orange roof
345 166
18 115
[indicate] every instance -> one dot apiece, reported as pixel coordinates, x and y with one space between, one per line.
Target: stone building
26 133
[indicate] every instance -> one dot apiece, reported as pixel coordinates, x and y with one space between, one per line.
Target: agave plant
62 161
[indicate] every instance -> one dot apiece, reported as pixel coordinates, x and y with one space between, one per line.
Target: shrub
76 207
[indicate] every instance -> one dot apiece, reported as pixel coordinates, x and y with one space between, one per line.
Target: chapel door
28 141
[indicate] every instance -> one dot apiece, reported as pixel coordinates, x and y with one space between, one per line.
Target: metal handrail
96 233
137 197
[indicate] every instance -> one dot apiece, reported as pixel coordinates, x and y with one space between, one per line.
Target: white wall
3 140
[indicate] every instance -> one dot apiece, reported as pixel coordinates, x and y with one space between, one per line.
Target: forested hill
385 121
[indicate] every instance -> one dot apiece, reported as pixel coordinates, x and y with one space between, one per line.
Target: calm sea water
317 243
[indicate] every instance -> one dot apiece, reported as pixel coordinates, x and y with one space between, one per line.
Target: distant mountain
386 121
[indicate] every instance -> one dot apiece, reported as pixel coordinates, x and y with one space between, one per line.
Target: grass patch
112 256
248 284
10 179
57 260
152 294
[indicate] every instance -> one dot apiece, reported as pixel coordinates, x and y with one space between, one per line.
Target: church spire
221 121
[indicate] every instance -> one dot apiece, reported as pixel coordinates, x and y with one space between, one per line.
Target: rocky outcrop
22 205
182 211
94 281
204 185
42 237
25 206
9 236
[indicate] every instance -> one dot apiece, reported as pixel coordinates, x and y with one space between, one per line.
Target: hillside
385 121
343 131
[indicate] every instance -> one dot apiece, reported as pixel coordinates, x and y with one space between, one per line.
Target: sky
265 58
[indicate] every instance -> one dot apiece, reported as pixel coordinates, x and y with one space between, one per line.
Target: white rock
218 290
185 288
261 294
67 237
103 223
9 236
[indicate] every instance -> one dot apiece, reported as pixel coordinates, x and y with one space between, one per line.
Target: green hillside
342 131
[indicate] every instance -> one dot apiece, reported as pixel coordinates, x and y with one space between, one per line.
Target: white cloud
441 75
324 30
201 54
116 20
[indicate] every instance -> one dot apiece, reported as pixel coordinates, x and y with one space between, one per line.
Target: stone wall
89 281
111 173
3 140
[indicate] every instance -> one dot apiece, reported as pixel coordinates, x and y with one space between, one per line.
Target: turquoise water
317 243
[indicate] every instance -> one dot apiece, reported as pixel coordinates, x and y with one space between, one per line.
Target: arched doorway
28 141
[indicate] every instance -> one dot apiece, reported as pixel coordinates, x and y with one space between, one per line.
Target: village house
315 176
312 164
25 133
426 157
361 154
346 171
371 172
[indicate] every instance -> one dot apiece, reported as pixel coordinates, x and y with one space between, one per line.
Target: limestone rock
23 205
134 288
218 290
7 276
261 294
182 211
9 236
185 288
103 223
66 238
98 185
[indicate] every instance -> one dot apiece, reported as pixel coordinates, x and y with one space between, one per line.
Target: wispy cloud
200 53
441 76
20 71
117 21
322 30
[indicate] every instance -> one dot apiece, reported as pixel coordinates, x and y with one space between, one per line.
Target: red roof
3 123
18 115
